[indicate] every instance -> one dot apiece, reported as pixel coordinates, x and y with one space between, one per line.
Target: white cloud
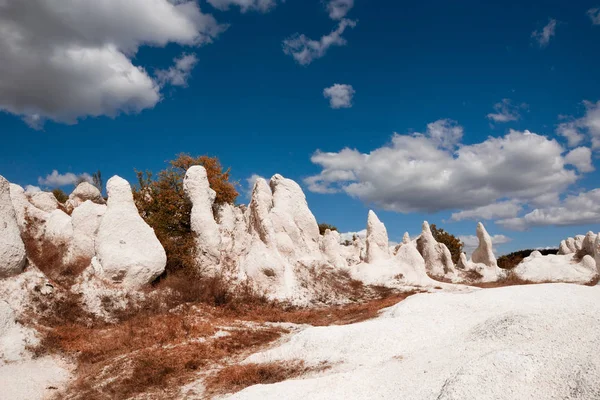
583 208
305 50
581 158
66 60
179 73
339 8
340 96
245 5
594 14
423 172
505 111
503 209
588 126
471 242
543 36
57 180
30 189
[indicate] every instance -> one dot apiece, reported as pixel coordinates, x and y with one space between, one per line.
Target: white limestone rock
261 203
557 268
85 221
484 253
204 226
377 240
12 248
25 210
83 192
331 249
597 252
563 248
438 259
295 227
570 242
59 228
127 249
587 245
412 264
44 201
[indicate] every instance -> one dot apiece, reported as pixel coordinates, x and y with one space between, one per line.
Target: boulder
377 240
59 228
85 221
587 245
570 242
438 259
331 249
44 201
127 249
24 210
12 248
484 253
563 248
83 192
203 224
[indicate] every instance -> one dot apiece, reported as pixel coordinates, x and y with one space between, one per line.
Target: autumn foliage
162 203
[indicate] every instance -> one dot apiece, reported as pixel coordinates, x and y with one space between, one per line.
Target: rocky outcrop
85 221
557 268
59 228
295 227
83 192
127 249
44 201
331 249
438 259
24 210
204 226
484 253
377 240
12 248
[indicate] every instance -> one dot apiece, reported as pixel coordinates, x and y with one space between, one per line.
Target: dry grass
238 377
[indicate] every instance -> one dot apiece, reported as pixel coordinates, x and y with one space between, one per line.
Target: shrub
323 227
60 195
452 242
164 206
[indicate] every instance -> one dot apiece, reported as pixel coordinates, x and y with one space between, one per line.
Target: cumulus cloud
65 60
432 172
586 127
179 73
340 96
581 158
245 5
543 36
339 8
305 50
471 242
502 209
583 208
506 111
30 189
57 180
594 14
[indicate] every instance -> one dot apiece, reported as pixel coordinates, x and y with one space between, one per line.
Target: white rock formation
12 248
597 252
24 209
58 228
377 240
127 249
438 259
331 249
484 253
557 268
44 201
83 192
85 221
295 227
563 248
204 226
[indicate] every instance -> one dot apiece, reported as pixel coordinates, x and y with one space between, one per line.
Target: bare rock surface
85 222
83 192
45 201
377 239
127 249
12 248
438 259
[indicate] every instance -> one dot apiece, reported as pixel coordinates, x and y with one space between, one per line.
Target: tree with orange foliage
164 206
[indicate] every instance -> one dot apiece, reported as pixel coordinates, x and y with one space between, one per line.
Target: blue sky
478 68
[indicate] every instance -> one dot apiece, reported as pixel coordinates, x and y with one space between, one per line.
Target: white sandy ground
521 342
